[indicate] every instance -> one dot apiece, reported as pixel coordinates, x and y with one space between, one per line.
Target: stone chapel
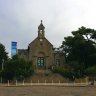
41 52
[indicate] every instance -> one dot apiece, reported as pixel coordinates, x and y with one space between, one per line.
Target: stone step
42 71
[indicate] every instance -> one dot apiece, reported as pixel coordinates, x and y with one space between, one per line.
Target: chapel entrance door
40 61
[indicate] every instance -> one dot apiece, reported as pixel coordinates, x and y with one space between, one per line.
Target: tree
3 58
80 49
68 73
17 69
91 73
87 33
3 53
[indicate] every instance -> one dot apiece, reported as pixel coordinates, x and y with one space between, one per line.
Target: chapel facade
41 52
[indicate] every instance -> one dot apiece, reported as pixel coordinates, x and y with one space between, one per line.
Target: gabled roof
38 38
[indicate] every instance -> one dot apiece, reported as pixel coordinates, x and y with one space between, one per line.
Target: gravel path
47 91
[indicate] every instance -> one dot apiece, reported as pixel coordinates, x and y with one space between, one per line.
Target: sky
19 20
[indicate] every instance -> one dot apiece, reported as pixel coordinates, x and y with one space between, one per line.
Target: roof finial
41 27
41 21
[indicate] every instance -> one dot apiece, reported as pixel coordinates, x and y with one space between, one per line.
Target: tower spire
41 30
41 26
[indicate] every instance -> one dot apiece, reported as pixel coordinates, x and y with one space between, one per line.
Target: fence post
86 80
23 82
31 82
16 82
45 82
81 82
67 83
38 82
74 83
8 83
52 82
59 82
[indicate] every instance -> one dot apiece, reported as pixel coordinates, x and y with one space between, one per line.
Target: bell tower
41 32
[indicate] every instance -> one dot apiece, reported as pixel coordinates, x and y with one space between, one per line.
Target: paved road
47 91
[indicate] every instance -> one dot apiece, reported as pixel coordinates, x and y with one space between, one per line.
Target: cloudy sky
19 19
